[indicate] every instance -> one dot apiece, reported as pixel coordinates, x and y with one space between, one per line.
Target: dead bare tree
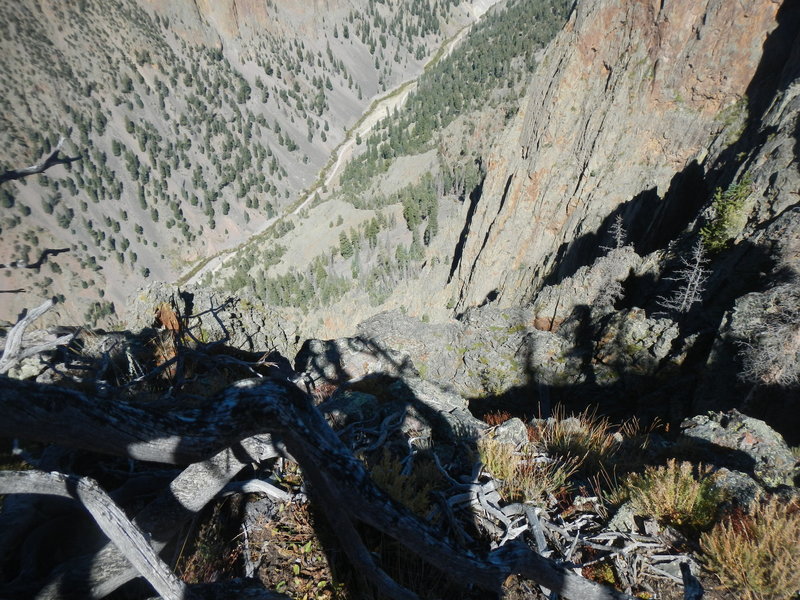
690 280
341 483
618 234
53 159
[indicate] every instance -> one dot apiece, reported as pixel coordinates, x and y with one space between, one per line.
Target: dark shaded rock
431 344
337 361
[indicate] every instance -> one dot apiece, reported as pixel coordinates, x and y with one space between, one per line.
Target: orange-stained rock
629 95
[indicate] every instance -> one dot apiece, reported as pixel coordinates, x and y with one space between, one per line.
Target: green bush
676 494
727 217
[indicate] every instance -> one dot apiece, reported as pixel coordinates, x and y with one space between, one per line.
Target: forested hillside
379 223
194 127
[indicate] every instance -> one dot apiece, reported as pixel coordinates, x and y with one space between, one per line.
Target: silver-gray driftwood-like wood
253 407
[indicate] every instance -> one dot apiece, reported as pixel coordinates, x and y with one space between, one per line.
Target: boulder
427 409
512 432
337 361
742 443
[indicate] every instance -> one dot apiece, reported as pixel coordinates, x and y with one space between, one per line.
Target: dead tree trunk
254 407
54 158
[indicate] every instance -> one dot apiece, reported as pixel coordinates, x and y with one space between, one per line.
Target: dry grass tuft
536 480
584 438
523 476
757 555
501 460
677 494
412 490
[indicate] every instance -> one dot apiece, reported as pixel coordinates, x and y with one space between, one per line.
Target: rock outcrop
736 441
239 321
630 107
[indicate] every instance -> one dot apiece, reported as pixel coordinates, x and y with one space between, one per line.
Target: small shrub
757 555
523 476
727 216
493 419
676 494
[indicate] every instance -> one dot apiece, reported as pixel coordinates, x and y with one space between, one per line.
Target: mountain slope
631 106
196 123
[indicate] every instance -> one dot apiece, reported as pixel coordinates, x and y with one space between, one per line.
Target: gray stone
348 406
739 442
511 432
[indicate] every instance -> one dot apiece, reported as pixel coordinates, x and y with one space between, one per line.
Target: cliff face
232 20
631 105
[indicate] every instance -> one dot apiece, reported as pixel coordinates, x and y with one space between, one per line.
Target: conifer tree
691 279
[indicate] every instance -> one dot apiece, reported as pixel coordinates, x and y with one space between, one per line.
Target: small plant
676 494
756 555
412 490
585 438
524 476
493 419
727 215
619 234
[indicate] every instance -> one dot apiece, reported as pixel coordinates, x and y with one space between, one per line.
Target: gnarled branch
52 160
259 406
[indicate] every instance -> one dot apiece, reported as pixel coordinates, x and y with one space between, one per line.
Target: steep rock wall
630 102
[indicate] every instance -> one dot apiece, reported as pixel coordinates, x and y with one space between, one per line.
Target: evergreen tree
345 245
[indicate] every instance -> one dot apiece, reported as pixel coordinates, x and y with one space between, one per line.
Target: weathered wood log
126 536
258 406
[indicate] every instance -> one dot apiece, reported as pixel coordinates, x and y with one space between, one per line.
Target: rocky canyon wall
631 105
